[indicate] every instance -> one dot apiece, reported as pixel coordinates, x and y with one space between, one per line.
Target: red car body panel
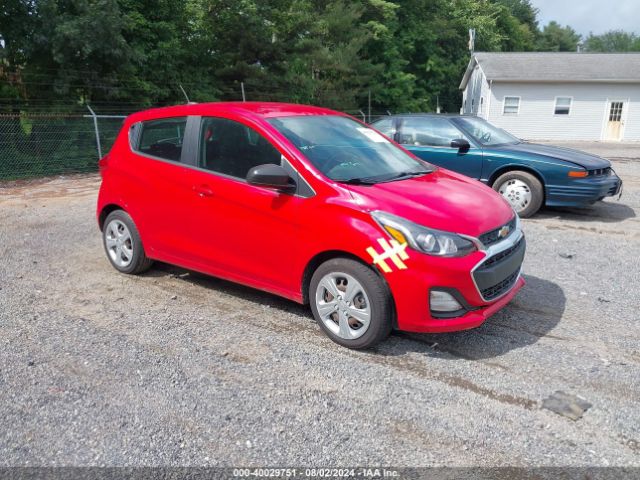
266 239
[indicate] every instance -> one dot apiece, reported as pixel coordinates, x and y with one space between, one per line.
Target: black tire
377 292
139 262
534 185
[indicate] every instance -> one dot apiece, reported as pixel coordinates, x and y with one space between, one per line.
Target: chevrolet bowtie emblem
504 231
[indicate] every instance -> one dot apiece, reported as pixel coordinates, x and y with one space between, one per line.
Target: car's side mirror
271 175
460 144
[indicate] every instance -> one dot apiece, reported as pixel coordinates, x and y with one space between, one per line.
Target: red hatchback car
312 205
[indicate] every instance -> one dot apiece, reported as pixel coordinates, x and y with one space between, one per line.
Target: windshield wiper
358 181
409 174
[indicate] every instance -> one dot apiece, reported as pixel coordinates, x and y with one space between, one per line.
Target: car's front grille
499 288
503 255
493 236
497 274
600 172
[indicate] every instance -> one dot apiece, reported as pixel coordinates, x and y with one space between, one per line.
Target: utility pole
472 40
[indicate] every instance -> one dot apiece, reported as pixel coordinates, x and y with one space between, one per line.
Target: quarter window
231 148
428 131
511 105
563 105
163 138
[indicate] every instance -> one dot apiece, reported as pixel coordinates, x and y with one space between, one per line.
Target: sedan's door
430 137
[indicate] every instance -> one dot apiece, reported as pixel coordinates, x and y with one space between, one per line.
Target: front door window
232 149
428 132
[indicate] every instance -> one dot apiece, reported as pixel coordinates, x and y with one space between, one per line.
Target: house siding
586 121
476 94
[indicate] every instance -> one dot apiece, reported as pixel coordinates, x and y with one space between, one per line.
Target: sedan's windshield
484 132
347 151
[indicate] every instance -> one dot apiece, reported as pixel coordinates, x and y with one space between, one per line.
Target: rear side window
163 138
231 148
428 131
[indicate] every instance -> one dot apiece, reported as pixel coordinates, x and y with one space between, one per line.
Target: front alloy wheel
351 303
343 305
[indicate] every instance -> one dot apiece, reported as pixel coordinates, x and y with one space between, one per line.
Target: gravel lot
176 368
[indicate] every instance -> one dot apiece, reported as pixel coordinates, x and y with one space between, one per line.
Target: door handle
203 190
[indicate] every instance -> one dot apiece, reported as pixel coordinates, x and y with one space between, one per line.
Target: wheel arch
106 210
521 168
322 257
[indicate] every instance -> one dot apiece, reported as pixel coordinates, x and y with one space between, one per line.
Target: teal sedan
528 175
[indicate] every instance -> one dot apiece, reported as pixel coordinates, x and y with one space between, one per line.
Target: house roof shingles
557 67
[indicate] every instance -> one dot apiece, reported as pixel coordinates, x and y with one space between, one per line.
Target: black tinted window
231 148
428 131
163 138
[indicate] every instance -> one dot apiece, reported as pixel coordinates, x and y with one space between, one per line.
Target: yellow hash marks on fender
393 251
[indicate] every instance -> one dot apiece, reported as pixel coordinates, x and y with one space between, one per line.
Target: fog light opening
440 301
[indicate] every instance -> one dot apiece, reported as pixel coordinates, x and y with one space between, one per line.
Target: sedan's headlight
423 239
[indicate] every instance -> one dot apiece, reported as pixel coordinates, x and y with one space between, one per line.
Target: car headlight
423 239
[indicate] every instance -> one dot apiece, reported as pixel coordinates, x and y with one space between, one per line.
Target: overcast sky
597 16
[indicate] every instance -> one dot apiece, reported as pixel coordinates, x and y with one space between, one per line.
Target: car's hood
443 200
582 159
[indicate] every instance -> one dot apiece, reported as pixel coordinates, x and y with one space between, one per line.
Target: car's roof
445 115
262 109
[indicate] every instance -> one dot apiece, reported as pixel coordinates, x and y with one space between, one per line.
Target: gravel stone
99 368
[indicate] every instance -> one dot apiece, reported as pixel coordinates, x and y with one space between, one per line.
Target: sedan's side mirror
460 144
271 175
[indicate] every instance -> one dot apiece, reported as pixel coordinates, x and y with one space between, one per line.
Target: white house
556 96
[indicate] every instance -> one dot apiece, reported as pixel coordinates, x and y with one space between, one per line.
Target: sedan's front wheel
523 191
351 303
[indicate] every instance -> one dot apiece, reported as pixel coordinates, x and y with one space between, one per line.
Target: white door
615 121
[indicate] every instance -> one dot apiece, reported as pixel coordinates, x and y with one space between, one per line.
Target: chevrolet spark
312 205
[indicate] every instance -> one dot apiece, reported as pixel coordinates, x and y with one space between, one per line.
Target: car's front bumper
469 277
583 191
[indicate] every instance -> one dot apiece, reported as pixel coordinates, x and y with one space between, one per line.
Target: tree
555 38
613 41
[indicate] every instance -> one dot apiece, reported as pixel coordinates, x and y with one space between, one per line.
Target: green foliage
130 54
613 41
556 38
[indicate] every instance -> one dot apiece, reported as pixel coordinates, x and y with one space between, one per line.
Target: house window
511 105
481 105
563 105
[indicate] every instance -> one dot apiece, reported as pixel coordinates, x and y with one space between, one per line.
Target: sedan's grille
498 289
493 236
501 255
600 172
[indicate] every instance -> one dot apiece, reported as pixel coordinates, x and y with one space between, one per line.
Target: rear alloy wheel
123 245
351 303
523 191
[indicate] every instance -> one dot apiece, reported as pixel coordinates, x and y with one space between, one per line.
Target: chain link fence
34 145
47 144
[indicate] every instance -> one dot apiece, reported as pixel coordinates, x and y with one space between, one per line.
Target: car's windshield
345 150
484 132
